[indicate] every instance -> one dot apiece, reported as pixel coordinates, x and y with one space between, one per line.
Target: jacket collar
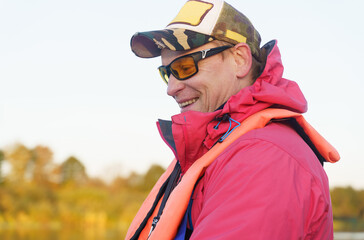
191 134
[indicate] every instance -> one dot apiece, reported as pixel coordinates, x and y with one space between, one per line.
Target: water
349 235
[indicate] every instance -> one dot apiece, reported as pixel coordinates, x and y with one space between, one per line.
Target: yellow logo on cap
192 13
235 36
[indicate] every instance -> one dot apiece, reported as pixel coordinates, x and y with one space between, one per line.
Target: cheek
216 79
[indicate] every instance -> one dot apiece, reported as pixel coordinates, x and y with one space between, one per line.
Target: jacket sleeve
255 190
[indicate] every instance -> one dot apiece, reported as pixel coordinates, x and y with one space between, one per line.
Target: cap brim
150 44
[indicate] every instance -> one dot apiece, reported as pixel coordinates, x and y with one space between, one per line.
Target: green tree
361 204
152 176
73 171
345 202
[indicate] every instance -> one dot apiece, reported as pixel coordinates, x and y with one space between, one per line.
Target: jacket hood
192 133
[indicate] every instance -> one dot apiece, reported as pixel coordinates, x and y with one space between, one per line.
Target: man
264 182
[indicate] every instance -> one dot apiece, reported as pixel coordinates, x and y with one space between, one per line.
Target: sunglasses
186 66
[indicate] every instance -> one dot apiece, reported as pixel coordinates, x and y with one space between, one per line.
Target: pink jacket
266 185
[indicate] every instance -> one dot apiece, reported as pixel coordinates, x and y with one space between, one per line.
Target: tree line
36 193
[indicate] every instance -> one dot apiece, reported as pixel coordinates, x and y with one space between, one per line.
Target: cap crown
197 23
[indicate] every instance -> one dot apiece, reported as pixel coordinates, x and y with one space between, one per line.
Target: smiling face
218 78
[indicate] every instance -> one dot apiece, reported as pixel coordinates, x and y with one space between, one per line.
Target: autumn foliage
62 202
37 194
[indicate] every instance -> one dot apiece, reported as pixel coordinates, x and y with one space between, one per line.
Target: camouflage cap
198 23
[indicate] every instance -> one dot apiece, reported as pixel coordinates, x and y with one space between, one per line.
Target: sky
69 81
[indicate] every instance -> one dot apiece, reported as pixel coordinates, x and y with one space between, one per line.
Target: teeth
184 104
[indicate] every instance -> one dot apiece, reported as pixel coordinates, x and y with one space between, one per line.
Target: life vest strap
150 212
297 127
176 207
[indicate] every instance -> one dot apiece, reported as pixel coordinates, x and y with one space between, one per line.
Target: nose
174 86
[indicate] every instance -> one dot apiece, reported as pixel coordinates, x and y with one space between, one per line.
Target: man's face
213 85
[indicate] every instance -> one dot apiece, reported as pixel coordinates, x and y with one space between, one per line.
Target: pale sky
70 82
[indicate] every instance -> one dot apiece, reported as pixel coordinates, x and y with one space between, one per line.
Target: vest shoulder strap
176 206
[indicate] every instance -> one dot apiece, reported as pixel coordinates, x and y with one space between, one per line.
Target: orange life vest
177 203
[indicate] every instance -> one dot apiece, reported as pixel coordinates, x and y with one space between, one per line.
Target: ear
243 59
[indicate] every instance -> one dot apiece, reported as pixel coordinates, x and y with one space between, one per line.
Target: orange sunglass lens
184 67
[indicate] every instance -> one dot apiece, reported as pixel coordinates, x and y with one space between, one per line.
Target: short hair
256 67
